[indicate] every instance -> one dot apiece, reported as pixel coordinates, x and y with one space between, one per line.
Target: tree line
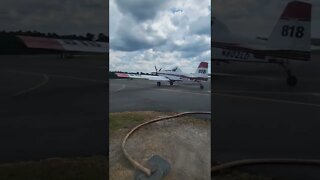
88 37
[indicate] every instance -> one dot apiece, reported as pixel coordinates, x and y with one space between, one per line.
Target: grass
56 169
129 119
236 175
91 168
81 168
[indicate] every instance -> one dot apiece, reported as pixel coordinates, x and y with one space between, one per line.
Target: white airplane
289 41
173 75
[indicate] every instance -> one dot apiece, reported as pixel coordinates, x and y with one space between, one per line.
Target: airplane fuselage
180 76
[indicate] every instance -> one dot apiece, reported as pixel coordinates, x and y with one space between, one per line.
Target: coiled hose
216 168
246 162
135 163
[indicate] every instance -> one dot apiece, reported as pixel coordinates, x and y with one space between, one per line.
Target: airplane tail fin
293 30
202 68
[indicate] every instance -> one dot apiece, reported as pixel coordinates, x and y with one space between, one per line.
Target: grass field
125 120
83 168
237 175
92 168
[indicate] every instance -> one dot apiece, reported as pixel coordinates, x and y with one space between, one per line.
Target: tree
89 36
102 38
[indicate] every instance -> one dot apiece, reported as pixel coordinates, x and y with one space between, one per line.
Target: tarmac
256 115
172 140
52 107
144 95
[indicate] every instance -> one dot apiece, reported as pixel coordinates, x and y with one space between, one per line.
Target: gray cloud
132 37
192 46
147 33
201 26
141 10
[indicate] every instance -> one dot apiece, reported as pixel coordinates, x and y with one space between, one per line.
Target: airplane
173 75
289 41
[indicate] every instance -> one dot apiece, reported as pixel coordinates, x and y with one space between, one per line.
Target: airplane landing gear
158 83
171 83
291 79
201 85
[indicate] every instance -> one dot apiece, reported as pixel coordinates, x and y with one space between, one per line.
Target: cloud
201 26
176 32
144 61
141 10
138 36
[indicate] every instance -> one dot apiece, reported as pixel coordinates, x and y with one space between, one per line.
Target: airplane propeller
155 67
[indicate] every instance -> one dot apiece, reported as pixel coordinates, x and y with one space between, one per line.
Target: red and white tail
202 68
293 30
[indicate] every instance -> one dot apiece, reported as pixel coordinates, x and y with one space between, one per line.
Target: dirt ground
184 142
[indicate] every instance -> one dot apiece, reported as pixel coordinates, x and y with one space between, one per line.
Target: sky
60 16
251 18
162 33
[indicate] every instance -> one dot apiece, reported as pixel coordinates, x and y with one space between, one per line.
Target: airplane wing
249 53
147 77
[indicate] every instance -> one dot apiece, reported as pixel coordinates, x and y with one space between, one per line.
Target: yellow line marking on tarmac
245 76
122 88
42 83
170 90
267 99
178 91
76 78
58 76
46 80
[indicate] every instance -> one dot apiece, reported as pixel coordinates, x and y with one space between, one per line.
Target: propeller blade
156 70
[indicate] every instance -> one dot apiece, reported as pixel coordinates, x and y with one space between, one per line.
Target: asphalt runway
144 95
52 107
256 115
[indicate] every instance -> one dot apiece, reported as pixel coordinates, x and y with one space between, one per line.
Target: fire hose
216 168
247 162
135 163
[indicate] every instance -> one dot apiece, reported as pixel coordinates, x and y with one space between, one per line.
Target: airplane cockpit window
174 69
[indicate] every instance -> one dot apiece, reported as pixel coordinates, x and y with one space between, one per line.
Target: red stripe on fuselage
186 77
289 54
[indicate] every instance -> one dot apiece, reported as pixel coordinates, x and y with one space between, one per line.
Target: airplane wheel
292 81
201 86
158 83
171 83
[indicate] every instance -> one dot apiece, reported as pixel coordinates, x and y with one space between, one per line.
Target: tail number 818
293 31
